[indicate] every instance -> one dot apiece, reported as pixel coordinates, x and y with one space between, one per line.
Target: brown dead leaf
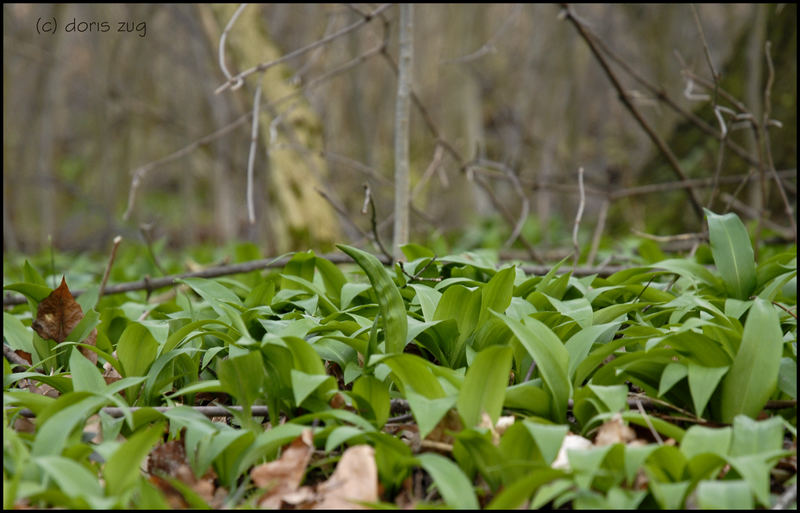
57 316
283 476
170 459
614 431
355 479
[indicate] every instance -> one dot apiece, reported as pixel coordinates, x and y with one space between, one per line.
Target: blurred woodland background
510 102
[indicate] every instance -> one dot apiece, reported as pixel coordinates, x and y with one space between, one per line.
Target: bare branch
300 51
110 264
236 83
578 217
251 212
673 162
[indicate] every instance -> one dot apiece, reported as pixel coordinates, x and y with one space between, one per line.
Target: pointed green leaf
753 375
733 253
393 310
484 385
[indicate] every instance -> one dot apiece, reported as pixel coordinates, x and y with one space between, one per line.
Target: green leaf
17 334
733 253
121 471
428 412
414 373
754 437
85 375
484 385
393 310
53 433
301 265
303 384
726 495
242 377
453 485
551 358
670 376
548 438
702 383
137 349
753 375
702 440
72 478
375 395
496 294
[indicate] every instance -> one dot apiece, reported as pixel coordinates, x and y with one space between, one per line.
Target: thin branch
237 83
649 423
765 124
578 216
488 47
373 219
140 172
670 238
673 162
786 233
110 264
787 498
342 212
401 129
251 211
662 95
300 51
598 232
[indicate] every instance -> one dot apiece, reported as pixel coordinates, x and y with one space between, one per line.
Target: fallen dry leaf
170 459
58 314
283 476
614 431
570 442
355 479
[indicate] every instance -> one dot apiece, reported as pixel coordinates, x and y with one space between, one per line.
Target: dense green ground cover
675 374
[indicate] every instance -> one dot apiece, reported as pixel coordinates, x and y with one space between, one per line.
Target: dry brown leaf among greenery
58 314
283 476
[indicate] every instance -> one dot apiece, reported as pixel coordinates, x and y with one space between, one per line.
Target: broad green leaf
579 310
375 394
755 437
701 440
214 293
242 377
787 377
85 375
733 253
579 344
702 383
753 375
548 438
414 373
463 305
453 485
121 471
304 384
496 294
670 376
427 411
17 334
30 290
393 310
332 277
137 349
301 265
72 478
726 495
551 358
428 300
485 384
53 433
